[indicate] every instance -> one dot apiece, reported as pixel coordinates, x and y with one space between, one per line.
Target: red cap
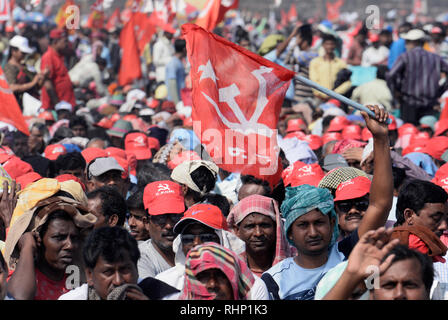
9 29
353 188
113 151
168 106
302 173
331 136
416 147
46 115
5 157
420 137
407 128
16 167
440 127
374 37
295 125
181 157
124 164
6 150
105 123
90 154
393 123
27 179
436 146
57 34
53 151
295 134
137 143
338 124
163 197
129 117
67 177
188 122
153 143
132 162
352 131
314 141
441 177
207 214
366 134
336 102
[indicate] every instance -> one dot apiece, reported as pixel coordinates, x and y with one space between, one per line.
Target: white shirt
372 56
151 261
163 51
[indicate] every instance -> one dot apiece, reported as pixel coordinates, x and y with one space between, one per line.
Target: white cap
63 105
414 34
21 43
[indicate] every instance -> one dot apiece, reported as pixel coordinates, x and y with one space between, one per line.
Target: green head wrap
304 198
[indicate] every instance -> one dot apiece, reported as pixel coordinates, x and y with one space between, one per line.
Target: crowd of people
112 195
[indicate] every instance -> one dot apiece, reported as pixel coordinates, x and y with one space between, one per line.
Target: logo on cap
444 181
57 150
140 141
344 184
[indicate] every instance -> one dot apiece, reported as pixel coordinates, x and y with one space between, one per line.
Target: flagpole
337 96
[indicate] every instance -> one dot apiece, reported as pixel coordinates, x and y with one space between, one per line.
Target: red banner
214 12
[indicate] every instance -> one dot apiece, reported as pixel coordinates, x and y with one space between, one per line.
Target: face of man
111 178
79 131
312 232
78 173
106 276
35 140
329 47
139 224
195 234
20 147
350 213
401 281
216 282
161 230
95 206
258 232
432 215
60 243
249 189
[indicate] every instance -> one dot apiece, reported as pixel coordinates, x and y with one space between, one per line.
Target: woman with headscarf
213 272
311 224
45 237
256 220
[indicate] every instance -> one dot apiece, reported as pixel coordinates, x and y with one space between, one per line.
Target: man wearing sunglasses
203 223
351 202
164 202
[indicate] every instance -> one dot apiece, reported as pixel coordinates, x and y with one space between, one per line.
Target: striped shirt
415 75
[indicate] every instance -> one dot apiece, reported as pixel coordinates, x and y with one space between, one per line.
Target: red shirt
58 76
47 289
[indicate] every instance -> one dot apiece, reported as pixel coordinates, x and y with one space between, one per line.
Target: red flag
130 68
333 9
292 13
214 12
9 108
236 103
114 20
158 19
284 20
144 30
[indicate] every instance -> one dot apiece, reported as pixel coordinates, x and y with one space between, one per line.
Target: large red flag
144 30
130 68
214 12
9 108
237 97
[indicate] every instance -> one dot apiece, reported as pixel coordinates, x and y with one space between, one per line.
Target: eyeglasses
205 237
360 205
162 219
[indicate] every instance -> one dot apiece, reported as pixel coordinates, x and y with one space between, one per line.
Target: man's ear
89 276
236 230
113 220
38 239
90 185
409 216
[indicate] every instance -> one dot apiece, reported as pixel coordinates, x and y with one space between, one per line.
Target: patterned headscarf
268 207
302 199
214 256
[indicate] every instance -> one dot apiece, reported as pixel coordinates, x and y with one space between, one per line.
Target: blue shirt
397 48
175 71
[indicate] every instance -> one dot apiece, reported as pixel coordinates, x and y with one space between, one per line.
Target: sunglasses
205 237
162 219
360 205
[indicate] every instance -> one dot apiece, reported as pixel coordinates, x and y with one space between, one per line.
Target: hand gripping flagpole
337 96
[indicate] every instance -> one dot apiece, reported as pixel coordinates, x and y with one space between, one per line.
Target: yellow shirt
324 73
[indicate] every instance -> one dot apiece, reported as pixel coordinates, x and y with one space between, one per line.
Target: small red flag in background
214 12
292 13
237 95
96 17
114 20
9 108
144 30
130 68
333 10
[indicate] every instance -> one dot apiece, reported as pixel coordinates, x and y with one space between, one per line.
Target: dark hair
17 135
306 33
415 194
218 200
179 45
101 61
57 214
112 202
204 180
326 121
3 262
135 200
381 72
328 37
61 133
151 172
77 120
402 252
248 179
70 161
110 243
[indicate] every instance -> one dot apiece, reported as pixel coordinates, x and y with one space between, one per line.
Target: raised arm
382 188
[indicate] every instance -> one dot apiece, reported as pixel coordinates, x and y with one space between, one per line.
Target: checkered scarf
214 256
268 207
336 176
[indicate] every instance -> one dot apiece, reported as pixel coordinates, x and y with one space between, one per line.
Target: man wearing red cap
57 86
351 202
164 202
